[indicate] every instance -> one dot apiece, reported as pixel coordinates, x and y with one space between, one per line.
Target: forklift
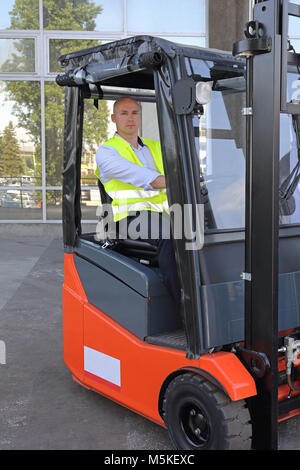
225 374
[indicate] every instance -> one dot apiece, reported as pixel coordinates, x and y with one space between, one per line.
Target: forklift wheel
199 416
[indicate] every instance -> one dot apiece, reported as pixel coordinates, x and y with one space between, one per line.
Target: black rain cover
72 163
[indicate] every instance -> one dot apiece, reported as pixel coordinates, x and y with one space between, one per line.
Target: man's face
127 117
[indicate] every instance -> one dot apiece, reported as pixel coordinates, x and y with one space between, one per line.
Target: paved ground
41 407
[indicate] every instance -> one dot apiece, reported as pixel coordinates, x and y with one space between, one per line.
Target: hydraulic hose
290 379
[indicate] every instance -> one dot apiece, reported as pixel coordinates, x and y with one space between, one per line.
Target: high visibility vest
128 198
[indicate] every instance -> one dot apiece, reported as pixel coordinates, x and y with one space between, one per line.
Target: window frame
43 75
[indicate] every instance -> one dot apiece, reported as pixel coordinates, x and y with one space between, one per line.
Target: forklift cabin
224 375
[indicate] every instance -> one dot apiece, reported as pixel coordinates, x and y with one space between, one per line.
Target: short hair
125 98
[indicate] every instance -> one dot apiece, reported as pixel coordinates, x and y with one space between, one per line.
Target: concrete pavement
41 407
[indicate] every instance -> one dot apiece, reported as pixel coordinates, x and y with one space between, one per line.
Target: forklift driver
131 171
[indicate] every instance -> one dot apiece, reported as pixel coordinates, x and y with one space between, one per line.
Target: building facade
33 34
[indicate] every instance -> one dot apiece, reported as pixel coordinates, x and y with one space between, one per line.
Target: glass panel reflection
167 16
111 16
149 127
293 87
294 26
220 143
20 134
18 204
17 55
295 44
221 146
83 15
54 133
96 130
54 205
90 201
289 157
19 14
199 41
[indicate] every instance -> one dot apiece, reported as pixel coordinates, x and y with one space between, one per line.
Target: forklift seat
142 305
138 249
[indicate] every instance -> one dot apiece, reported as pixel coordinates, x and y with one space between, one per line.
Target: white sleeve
112 165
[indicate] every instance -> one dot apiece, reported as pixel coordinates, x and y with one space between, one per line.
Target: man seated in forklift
131 171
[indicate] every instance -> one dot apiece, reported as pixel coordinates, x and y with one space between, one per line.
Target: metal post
262 226
251 6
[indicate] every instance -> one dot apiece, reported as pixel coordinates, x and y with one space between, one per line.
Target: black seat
104 197
138 249
131 248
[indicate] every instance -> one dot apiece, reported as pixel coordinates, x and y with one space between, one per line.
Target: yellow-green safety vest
128 198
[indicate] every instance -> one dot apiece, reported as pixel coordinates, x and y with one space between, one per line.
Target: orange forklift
225 374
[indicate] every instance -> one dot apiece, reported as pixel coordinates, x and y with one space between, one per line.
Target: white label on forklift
102 366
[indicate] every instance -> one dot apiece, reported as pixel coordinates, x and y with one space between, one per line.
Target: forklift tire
200 416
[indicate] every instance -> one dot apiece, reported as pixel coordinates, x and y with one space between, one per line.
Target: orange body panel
74 299
143 367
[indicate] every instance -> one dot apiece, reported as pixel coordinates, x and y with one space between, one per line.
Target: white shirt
112 165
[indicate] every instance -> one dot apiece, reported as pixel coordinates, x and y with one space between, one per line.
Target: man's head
127 117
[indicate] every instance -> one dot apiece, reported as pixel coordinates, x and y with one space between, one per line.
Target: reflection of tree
57 14
25 14
16 63
26 96
71 15
11 162
62 15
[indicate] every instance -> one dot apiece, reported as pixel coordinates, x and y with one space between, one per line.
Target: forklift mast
268 61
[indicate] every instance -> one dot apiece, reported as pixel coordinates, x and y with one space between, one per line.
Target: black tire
200 416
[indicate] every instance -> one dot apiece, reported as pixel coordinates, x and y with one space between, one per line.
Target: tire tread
236 418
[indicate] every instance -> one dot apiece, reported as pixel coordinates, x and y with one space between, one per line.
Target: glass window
289 157
54 204
16 14
90 201
198 67
111 16
166 16
83 15
289 205
222 159
17 55
293 87
220 138
296 44
96 124
58 47
20 133
294 26
95 132
149 127
19 204
54 128
187 40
